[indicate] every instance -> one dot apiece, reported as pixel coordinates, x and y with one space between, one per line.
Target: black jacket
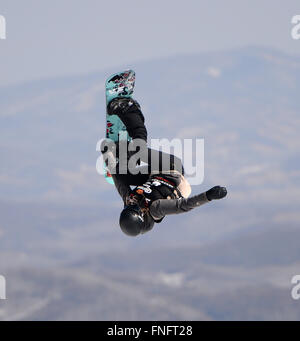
161 199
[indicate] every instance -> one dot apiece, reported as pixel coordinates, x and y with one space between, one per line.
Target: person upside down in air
160 188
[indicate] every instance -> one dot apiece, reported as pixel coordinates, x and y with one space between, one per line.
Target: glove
216 192
120 105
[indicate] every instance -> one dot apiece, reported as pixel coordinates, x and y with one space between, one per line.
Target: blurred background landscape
61 250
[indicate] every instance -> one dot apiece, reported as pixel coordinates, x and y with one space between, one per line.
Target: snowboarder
158 191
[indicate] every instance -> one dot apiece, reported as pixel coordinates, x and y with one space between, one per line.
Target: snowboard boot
121 105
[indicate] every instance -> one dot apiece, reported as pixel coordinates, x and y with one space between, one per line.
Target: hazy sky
58 37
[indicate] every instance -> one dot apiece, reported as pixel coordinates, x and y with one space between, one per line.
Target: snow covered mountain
59 215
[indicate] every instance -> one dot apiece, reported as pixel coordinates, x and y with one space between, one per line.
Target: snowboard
117 85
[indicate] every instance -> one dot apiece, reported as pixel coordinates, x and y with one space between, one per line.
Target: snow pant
158 162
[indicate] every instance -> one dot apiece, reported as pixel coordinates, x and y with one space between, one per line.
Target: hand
216 192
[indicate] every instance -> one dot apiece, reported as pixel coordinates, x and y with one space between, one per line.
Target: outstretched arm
163 207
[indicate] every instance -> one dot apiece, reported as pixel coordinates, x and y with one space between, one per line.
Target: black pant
157 161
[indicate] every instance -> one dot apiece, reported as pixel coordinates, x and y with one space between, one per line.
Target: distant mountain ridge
59 215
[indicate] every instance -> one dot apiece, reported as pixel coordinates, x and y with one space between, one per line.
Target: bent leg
160 162
157 162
